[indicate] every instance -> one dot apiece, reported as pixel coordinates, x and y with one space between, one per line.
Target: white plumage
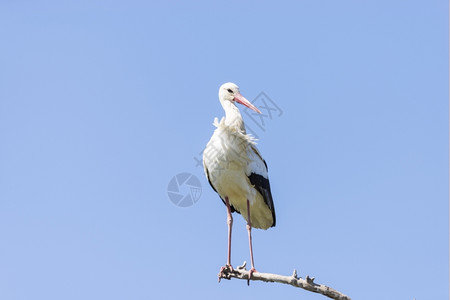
235 169
229 159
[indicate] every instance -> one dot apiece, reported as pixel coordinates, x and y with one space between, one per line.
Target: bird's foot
224 271
250 272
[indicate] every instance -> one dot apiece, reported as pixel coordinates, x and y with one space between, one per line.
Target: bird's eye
230 91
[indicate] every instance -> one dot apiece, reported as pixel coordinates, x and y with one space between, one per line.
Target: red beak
241 99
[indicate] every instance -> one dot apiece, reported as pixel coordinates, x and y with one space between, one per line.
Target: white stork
236 171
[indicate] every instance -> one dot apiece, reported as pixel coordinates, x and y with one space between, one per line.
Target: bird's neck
233 117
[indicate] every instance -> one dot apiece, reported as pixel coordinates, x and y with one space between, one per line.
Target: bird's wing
259 178
205 168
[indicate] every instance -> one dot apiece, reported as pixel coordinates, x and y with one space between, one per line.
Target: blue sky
102 103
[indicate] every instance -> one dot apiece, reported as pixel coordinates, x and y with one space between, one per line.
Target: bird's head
230 92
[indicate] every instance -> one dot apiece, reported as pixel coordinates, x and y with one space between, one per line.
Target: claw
250 272
223 270
230 268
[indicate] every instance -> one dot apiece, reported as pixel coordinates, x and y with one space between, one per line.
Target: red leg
249 229
228 266
230 225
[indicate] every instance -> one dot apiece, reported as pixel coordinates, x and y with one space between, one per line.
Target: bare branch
307 283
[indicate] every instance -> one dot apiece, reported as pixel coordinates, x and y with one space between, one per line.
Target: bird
236 170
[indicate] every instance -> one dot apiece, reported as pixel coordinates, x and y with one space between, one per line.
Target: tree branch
307 283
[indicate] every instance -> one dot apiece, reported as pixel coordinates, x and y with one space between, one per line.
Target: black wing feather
262 185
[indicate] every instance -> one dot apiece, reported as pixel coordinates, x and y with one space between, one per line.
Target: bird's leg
249 229
230 225
228 266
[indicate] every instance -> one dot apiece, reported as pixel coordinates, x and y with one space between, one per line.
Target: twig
307 283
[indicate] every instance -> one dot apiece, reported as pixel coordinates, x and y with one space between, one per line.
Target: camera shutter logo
184 189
